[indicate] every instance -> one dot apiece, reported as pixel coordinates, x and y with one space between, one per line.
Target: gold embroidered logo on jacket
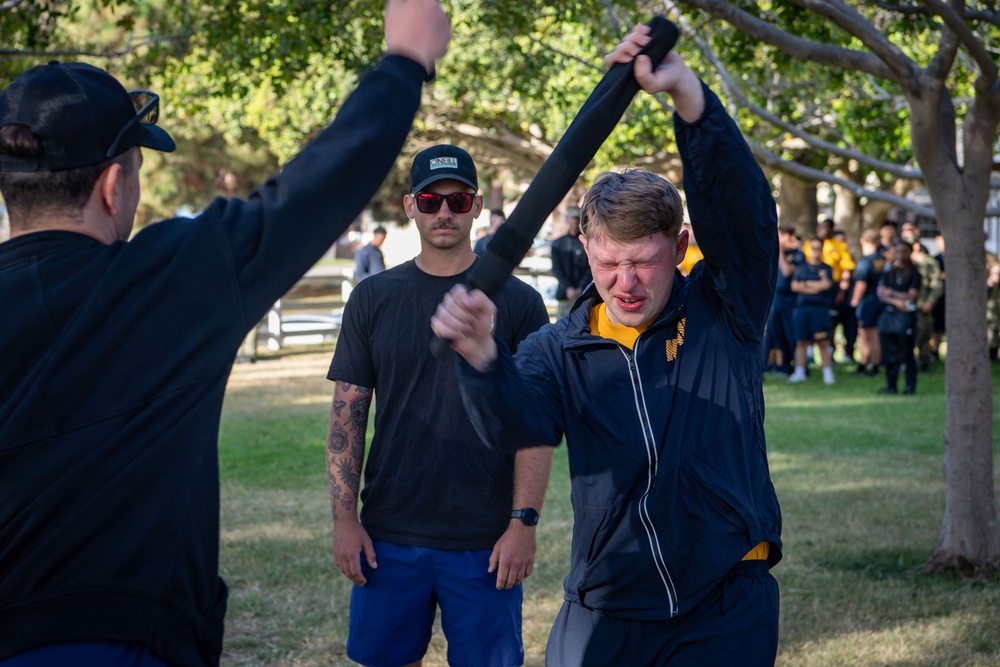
676 341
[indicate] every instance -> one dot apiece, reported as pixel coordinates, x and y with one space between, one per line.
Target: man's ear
409 205
477 206
109 185
583 240
683 240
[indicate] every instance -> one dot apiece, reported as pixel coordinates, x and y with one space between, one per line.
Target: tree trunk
969 542
797 205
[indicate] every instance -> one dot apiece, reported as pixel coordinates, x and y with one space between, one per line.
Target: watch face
528 516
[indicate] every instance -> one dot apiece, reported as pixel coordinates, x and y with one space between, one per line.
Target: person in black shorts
780 336
813 283
866 302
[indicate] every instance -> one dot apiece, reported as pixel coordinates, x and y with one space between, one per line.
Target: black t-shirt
783 294
869 271
901 279
429 479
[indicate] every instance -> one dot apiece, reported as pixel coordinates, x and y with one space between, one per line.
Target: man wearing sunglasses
441 524
116 352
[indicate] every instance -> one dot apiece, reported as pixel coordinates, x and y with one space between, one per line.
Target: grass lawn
858 475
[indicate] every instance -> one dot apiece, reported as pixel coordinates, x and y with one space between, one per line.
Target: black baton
585 135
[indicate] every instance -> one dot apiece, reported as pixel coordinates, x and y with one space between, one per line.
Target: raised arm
728 197
286 224
345 452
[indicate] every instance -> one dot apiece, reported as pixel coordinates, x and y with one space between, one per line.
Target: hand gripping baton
591 126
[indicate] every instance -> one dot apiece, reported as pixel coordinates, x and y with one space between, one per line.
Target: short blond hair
631 204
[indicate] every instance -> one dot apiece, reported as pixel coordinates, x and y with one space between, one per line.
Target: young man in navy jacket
116 351
655 380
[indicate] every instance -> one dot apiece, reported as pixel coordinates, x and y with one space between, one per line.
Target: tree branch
852 22
114 53
805 173
797 47
737 94
966 36
982 16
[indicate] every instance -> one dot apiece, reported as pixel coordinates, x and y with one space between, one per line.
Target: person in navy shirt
866 302
780 334
813 283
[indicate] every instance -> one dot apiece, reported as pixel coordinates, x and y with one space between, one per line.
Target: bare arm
786 267
513 556
345 452
860 288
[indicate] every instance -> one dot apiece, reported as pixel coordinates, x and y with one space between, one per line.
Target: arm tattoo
337 442
352 480
346 444
359 412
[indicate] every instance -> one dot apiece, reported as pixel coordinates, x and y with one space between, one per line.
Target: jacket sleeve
733 216
287 224
515 404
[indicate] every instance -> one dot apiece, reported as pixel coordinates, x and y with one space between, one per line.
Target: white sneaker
797 377
828 377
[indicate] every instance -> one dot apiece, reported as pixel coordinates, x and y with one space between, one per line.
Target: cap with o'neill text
79 112
438 163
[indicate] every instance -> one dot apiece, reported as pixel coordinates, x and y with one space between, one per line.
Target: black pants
848 319
735 625
897 350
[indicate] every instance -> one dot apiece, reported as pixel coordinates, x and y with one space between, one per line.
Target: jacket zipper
651 454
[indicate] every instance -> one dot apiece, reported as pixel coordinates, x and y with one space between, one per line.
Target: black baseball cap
440 162
81 114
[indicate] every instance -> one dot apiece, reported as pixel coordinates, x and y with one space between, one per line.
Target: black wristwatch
528 516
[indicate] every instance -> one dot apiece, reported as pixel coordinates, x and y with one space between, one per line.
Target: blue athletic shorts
735 624
868 311
86 654
392 615
812 323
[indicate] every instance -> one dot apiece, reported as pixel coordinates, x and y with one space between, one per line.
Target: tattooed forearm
346 445
350 475
337 440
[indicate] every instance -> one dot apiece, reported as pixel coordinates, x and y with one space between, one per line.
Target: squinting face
444 229
635 278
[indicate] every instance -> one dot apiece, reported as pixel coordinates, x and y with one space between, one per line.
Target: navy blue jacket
670 482
115 360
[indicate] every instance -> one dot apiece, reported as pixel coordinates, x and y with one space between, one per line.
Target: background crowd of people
881 312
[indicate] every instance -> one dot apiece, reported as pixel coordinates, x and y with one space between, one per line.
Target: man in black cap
448 526
116 352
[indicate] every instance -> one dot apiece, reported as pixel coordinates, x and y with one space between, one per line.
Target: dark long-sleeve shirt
670 485
115 360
